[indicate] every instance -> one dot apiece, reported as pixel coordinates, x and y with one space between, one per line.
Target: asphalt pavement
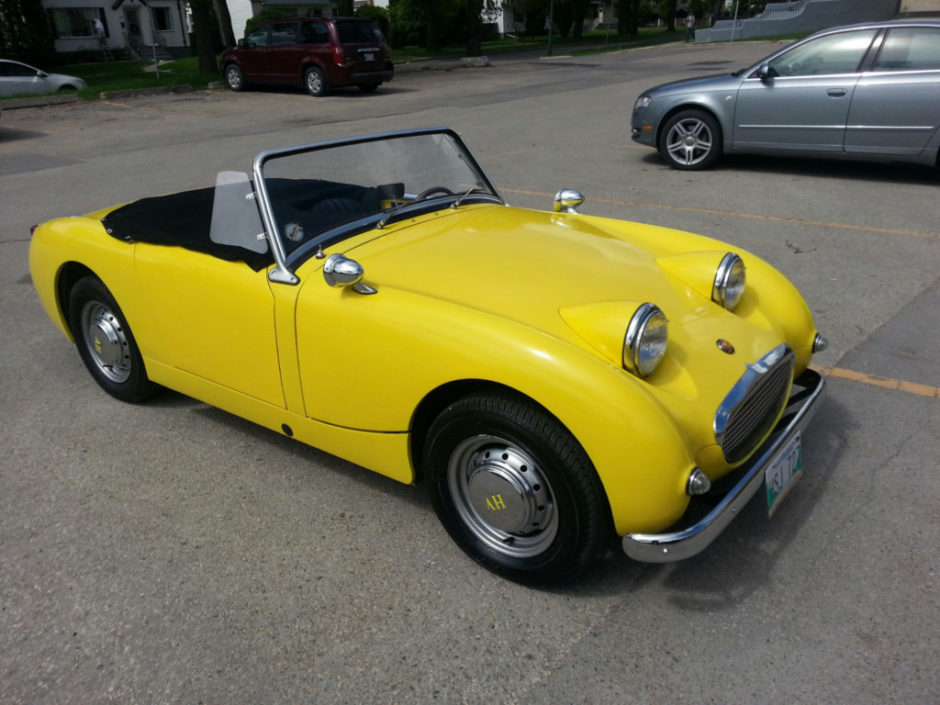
172 553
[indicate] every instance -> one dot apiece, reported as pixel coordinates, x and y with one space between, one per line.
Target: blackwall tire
105 342
691 140
515 490
315 82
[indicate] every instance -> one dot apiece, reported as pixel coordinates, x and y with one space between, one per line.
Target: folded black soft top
179 220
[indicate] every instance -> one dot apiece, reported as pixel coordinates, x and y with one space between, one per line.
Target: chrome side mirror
567 200
339 270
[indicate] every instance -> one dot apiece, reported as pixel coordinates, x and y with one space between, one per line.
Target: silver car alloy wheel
234 77
689 141
502 496
106 341
314 83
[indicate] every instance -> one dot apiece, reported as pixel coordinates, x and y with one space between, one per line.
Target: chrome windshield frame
281 272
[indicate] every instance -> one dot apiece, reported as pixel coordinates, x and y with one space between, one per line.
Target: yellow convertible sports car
554 378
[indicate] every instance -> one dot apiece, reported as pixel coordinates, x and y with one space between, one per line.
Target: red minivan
317 53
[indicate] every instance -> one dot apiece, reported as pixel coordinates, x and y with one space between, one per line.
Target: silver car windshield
323 193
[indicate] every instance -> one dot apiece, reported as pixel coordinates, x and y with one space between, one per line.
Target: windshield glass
326 192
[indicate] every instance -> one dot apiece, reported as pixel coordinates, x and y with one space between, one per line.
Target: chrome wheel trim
234 77
502 496
106 342
689 141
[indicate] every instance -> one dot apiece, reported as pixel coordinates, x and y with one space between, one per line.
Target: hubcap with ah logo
502 496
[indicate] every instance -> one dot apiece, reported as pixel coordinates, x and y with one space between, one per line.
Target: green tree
26 32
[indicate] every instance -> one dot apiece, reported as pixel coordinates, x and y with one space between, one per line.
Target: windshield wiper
456 204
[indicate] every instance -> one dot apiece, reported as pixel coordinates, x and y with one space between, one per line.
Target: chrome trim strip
678 545
739 391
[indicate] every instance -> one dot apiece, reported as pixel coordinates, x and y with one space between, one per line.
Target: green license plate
783 473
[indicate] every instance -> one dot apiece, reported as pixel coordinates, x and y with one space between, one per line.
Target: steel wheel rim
689 141
234 77
106 341
502 496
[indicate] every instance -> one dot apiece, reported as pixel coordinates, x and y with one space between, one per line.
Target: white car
18 79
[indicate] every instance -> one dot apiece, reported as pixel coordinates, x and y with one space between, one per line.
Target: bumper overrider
683 543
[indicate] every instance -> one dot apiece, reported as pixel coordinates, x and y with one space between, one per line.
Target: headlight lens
729 282
642 102
645 342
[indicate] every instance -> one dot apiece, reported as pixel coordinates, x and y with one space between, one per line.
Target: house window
162 19
73 21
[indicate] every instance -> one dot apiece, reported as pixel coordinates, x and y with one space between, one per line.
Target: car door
16 78
800 99
314 36
896 106
284 53
208 317
252 54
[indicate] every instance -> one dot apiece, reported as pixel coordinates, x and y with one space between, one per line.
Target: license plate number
783 473
368 56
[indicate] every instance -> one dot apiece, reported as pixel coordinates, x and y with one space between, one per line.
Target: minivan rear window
357 32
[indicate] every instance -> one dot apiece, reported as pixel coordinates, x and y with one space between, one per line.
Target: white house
91 25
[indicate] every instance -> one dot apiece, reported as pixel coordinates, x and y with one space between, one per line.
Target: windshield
319 194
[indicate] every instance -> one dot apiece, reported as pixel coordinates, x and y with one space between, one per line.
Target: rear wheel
691 140
515 490
234 78
105 342
315 82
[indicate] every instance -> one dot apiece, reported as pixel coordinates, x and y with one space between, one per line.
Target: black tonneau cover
180 220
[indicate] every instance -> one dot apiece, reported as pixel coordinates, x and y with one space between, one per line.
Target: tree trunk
205 35
225 23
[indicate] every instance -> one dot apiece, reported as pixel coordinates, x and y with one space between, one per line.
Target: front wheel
515 490
105 342
315 82
691 140
234 78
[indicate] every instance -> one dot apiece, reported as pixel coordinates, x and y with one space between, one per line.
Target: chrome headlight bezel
730 282
645 342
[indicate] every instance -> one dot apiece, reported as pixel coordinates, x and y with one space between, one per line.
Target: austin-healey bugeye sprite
555 379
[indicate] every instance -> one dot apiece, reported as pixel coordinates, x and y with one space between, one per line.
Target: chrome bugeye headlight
729 282
645 342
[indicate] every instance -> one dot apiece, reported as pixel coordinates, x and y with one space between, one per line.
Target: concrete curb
38 101
132 92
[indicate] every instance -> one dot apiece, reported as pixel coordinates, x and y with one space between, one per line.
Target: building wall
163 22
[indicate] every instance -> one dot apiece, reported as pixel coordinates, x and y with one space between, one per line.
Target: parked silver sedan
868 91
19 79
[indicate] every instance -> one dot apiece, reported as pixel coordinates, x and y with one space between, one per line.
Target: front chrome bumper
684 543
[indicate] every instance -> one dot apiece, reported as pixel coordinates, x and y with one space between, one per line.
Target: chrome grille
752 406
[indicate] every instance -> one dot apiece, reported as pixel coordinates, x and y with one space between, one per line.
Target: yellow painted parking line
923 390
752 216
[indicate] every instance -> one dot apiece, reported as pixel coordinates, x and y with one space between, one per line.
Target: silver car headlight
642 102
729 282
645 342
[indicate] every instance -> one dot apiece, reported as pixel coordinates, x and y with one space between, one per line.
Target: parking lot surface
172 553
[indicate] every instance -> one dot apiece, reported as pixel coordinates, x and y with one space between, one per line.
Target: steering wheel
428 192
